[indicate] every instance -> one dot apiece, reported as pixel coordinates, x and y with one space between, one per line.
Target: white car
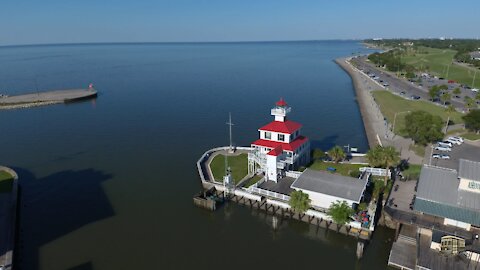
436 156
460 139
445 149
451 140
475 90
443 156
445 144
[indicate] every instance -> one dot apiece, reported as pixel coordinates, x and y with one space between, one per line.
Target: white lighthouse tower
280 147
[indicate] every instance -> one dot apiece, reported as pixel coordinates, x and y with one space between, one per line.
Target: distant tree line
463 46
392 62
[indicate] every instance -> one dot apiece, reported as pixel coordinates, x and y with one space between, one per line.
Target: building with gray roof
324 188
450 194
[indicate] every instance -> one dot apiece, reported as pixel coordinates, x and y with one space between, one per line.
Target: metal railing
269 193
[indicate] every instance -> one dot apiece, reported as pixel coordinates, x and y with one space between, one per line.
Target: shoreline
361 100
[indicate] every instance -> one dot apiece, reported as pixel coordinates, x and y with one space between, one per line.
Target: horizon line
171 42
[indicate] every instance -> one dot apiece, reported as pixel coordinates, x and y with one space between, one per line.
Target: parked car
445 144
415 97
444 149
475 90
456 138
436 156
444 156
402 93
452 141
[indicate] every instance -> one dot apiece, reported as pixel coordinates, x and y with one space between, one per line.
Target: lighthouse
280 146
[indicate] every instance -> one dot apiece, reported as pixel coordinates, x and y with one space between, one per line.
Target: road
407 89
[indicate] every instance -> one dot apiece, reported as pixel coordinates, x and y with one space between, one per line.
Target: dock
46 98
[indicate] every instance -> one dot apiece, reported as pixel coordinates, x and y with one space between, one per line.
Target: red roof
277 151
281 103
285 146
287 127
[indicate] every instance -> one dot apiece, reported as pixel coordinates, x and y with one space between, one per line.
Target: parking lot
463 151
409 89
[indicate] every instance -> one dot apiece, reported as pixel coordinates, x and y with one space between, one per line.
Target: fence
376 171
269 193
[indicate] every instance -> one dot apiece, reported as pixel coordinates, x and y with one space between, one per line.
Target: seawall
363 103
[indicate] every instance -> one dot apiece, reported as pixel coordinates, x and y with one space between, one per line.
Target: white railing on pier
375 171
293 174
269 193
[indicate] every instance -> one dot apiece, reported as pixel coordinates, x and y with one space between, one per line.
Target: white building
281 147
324 188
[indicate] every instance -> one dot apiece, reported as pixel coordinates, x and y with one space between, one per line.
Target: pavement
376 126
467 150
408 89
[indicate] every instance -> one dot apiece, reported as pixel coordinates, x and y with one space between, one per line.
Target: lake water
108 183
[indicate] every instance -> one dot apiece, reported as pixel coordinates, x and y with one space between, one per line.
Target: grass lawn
391 104
238 164
471 136
6 182
438 60
413 171
252 180
418 149
342 168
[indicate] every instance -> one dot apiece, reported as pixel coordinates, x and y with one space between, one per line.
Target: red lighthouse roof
281 103
287 127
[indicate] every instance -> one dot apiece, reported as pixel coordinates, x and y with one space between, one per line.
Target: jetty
46 98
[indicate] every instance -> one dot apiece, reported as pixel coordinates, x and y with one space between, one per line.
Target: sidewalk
377 129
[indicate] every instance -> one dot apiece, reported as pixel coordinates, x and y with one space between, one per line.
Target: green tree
384 157
362 206
433 92
457 91
423 127
336 153
374 156
472 121
443 87
340 212
318 154
378 186
390 157
445 97
469 102
449 110
299 201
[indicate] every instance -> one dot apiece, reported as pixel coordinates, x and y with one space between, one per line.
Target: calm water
108 184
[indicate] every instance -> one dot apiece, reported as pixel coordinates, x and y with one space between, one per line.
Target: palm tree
336 153
384 157
390 157
450 109
374 155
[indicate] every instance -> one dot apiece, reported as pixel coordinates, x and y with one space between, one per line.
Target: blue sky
73 21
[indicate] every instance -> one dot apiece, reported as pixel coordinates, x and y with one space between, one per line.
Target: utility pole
230 124
473 81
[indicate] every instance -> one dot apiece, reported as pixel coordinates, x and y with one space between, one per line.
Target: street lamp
395 119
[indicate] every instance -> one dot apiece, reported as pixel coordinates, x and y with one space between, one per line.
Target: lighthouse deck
49 97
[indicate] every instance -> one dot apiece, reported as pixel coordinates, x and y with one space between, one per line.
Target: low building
325 188
452 195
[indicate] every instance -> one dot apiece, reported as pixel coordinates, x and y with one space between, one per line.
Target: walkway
376 126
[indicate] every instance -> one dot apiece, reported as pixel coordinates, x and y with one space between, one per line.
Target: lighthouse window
268 135
281 137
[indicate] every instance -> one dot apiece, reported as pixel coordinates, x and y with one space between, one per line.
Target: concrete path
377 128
